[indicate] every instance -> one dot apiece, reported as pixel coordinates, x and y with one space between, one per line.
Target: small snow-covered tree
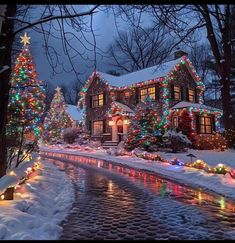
176 140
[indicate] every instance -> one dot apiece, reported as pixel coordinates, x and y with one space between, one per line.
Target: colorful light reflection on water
220 207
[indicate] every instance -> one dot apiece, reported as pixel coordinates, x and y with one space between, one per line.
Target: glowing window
191 95
205 124
97 127
144 93
177 93
97 100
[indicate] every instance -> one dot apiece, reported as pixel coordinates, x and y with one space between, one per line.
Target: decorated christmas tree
57 119
27 96
185 125
145 130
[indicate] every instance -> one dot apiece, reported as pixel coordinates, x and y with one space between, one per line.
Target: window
205 124
177 93
147 92
191 95
127 94
97 100
97 127
175 121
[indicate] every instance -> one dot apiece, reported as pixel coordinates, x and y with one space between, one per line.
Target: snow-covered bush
94 144
70 133
112 151
119 151
210 141
176 141
83 138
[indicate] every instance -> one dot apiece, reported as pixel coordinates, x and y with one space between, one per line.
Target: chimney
179 53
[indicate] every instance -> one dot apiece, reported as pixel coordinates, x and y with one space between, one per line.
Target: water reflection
215 204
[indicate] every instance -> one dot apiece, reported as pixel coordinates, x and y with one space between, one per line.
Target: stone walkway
109 206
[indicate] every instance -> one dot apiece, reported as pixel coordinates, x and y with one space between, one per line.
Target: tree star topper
25 39
58 89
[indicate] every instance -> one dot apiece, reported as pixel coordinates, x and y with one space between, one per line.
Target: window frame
204 125
178 92
175 121
147 93
97 100
101 126
190 95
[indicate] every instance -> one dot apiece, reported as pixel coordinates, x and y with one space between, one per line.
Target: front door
120 129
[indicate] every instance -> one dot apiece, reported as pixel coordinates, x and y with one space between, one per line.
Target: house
109 101
75 114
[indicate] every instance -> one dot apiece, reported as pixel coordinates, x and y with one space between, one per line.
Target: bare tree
73 92
49 89
49 19
202 59
140 48
184 21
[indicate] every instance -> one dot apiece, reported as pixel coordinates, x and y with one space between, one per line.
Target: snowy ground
39 206
222 184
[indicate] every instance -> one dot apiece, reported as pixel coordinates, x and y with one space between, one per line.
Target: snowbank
39 206
221 184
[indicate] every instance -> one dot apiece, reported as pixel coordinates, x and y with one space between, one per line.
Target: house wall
182 78
97 113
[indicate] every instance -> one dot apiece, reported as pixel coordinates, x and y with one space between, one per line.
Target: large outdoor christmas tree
145 129
57 119
27 96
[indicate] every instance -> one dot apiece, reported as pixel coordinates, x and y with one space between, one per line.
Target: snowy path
112 206
221 184
38 207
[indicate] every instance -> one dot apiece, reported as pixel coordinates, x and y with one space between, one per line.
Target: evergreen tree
144 130
27 96
57 119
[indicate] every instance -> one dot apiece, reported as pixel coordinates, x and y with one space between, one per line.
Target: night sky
105 33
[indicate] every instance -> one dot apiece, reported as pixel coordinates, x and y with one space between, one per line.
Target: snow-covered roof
124 107
74 112
185 104
146 74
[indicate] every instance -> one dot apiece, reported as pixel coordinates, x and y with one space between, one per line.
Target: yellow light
2 197
126 121
111 123
12 173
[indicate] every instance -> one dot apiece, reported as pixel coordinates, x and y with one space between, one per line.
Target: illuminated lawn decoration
232 173
198 164
149 156
176 161
9 192
220 169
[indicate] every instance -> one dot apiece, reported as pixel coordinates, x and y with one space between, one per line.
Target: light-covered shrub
210 141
